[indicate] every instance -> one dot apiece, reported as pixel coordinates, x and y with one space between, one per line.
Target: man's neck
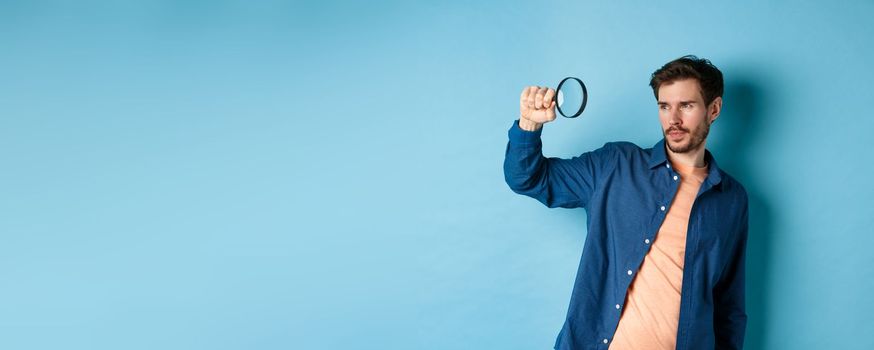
694 158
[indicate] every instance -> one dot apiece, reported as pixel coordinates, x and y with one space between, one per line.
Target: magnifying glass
571 97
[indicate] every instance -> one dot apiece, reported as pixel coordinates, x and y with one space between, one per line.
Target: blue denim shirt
626 191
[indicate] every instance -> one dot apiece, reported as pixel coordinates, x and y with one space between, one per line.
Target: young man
663 262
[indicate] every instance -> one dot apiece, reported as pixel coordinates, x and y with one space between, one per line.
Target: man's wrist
529 125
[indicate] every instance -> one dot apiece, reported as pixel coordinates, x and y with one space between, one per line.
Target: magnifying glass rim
585 97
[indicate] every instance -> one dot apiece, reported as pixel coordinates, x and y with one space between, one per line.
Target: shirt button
668 165
675 177
629 272
663 208
605 340
617 306
646 241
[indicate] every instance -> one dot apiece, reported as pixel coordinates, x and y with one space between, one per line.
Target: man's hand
536 107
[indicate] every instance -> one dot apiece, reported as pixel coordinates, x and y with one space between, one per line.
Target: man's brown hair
709 77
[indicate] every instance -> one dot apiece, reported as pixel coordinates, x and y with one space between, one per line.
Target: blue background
327 175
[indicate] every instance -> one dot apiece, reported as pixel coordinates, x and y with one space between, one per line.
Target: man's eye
686 106
663 107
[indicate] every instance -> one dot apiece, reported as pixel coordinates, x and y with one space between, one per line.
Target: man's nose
675 117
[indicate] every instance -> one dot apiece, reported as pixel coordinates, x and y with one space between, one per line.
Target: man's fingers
532 92
547 98
538 99
523 99
550 111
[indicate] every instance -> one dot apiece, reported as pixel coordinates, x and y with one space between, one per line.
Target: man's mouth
676 133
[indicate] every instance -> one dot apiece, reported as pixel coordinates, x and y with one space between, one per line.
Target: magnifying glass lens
571 97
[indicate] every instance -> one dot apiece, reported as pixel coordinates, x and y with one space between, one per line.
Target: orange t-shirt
652 306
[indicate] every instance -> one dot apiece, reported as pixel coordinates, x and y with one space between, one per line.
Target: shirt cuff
519 135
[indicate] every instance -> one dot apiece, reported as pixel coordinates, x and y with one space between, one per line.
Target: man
663 262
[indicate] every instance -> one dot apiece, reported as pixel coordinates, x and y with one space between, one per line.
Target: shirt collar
659 156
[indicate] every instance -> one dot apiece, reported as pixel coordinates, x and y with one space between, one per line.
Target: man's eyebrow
681 102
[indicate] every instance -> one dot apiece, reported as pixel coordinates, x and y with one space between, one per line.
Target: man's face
684 117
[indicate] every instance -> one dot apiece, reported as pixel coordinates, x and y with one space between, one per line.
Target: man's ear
714 109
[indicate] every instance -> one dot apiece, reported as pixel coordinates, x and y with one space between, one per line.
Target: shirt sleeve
730 317
555 182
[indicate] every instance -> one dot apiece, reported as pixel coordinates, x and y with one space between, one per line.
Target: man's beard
696 138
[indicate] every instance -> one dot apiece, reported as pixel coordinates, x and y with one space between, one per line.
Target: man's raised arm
555 182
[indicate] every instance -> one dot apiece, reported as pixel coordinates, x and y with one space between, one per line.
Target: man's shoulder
623 145
626 148
730 184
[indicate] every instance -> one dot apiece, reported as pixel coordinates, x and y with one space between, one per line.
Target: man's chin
679 146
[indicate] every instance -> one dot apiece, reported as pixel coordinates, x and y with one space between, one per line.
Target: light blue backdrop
327 175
